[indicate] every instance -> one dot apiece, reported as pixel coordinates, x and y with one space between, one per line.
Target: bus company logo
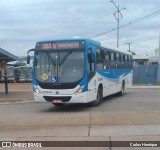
57 92
6 144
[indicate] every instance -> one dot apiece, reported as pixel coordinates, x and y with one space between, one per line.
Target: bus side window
106 61
117 60
112 61
126 62
99 59
122 61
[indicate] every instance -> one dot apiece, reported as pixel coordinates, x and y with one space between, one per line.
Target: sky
24 22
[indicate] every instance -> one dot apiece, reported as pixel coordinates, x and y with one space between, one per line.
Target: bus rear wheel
98 100
122 89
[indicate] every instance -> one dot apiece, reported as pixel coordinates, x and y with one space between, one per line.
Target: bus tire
99 99
121 93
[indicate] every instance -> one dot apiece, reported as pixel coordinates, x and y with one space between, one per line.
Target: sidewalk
14 96
145 86
16 92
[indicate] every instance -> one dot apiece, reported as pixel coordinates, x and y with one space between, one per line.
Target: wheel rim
98 98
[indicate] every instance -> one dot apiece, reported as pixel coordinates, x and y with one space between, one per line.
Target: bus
23 74
78 70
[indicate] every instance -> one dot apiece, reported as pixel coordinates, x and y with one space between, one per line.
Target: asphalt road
137 113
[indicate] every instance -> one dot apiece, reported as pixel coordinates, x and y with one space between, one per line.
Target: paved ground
136 113
135 116
16 86
23 91
17 92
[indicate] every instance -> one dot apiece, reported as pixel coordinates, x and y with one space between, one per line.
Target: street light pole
159 51
158 74
118 26
129 50
118 15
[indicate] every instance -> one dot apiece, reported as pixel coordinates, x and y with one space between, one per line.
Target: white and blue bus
78 70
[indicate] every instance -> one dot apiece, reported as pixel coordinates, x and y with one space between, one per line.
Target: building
153 60
6 57
139 60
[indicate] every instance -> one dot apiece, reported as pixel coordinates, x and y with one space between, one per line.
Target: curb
144 87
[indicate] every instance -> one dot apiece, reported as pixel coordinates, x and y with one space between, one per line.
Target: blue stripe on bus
113 74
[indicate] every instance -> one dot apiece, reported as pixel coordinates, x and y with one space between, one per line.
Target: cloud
25 22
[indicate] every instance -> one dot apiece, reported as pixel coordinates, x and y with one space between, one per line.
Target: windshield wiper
53 62
65 57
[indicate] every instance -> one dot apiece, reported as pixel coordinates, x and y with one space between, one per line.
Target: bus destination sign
60 45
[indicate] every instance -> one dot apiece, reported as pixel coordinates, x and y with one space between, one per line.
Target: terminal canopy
7 57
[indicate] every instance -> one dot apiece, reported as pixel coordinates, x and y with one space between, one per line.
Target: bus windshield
64 66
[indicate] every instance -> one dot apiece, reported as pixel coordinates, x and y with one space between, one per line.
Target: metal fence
146 75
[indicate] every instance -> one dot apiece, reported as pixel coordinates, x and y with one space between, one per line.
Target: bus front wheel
98 100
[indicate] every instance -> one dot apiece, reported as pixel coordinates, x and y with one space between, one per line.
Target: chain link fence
146 75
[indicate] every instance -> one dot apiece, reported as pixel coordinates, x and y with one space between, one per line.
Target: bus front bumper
75 98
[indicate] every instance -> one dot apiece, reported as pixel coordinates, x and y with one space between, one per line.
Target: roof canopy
7 57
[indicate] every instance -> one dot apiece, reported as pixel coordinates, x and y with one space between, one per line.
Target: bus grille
51 98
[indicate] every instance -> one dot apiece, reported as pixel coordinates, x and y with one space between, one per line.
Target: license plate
56 101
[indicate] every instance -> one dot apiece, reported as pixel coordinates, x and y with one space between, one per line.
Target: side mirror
28 59
28 56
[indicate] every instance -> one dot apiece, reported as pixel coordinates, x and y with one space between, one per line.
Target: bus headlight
37 90
79 90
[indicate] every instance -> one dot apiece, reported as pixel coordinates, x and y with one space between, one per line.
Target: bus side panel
112 80
128 80
109 85
92 89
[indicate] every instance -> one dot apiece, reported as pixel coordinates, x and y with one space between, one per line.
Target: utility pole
129 50
158 71
159 51
118 15
129 44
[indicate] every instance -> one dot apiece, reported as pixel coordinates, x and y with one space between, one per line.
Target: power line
130 23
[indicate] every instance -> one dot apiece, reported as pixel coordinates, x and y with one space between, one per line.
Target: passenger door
92 93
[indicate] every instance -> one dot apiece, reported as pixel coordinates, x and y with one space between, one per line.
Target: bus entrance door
91 74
